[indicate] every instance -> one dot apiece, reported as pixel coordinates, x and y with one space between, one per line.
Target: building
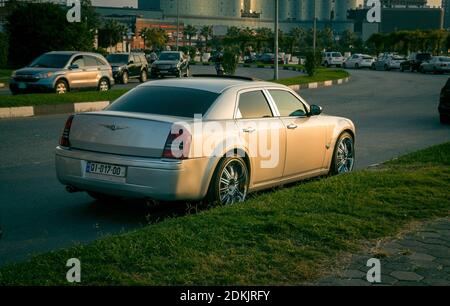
398 19
446 8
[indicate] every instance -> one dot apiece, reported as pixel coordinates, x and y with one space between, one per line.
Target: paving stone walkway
419 258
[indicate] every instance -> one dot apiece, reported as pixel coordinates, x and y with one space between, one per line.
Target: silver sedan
201 138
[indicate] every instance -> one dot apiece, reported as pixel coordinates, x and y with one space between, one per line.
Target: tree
3 50
326 39
206 32
44 27
156 38
144 33
111 33
189 32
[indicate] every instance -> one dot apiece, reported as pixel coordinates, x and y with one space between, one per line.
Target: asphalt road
394 113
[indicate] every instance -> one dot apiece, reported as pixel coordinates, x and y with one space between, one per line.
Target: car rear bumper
159 179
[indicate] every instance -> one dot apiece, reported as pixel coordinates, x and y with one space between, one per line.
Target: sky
133 3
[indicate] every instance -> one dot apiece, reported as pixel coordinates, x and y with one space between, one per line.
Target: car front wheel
124 78
230 182
344 155
61 87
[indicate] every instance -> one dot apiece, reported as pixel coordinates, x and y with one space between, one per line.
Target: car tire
187 73
327 64
101 197
235 190
343 159
386 68
143 76
402 69
344 65
61 87
103 85
373 67
356 66
421 70
125 78
444 119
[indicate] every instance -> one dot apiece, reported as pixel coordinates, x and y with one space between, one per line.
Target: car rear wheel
103 85
356 66
143 76
230 182
187 73
125 78
344 155
445 119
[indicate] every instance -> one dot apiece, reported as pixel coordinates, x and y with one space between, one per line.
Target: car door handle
292 126
249 130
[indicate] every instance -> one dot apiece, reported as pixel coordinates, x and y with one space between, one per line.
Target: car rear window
337 54
165 100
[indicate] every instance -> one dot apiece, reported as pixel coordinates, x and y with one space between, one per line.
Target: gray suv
63 71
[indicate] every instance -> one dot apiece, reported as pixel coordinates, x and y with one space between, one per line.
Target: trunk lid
121 133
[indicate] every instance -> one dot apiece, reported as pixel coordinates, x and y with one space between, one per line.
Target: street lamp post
314 28
275 73
178 24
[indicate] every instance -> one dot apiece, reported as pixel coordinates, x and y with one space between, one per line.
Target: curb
39 110
315 85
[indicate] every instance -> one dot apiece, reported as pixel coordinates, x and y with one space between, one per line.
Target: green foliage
154 38
36 28
230 61
110 33
190 31
312 62
3 50
434 41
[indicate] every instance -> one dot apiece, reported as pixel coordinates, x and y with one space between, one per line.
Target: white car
437 64
332 59
359 61
394 62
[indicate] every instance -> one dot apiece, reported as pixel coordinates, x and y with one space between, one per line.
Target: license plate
105 169
164 71
22 85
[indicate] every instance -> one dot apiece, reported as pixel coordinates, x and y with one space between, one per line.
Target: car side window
101 62
253 104
90 61
288 105
78 60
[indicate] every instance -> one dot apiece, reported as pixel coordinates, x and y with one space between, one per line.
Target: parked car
127 66
444 103
63 71
269 58
414 61
437 64
359 61
388 61
332 59
148 144
170 63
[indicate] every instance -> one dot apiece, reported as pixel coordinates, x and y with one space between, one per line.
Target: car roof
73 53
212 84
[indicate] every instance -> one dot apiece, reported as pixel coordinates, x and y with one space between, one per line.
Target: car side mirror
73 67
315 110
130 62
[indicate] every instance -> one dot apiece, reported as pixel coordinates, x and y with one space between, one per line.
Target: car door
76 73
305 135
92 71
134 64
263 135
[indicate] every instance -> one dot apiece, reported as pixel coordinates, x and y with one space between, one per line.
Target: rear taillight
178 144
64 141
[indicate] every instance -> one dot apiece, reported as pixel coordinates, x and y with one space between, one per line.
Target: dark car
170 63
127 66
414 61
444 103
269 58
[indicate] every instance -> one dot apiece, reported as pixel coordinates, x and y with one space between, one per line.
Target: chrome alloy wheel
345 155
61 88
233 182
104 85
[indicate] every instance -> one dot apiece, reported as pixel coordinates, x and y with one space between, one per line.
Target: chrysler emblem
114 127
